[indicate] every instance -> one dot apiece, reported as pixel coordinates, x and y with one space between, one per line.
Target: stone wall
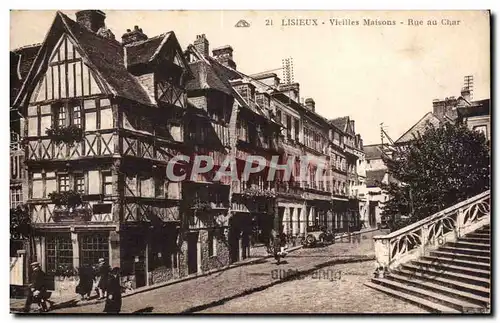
160 275
221 256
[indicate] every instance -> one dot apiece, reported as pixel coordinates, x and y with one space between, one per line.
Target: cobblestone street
260 287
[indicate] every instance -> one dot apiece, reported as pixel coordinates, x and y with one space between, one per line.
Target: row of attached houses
100 120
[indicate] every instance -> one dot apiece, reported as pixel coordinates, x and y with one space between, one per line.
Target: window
176 131
59 252
77 116
159 186
63 181
16 196
92 247
61 116
278 116
107 183
297 129
80 183
289 126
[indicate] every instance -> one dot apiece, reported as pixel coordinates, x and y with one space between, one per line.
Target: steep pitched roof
419 127
372 151
141 52
206 78
26 55
152 49
105 56
21 60
340 123
375 177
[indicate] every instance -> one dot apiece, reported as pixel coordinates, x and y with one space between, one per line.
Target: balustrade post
460 222
424 233
382 252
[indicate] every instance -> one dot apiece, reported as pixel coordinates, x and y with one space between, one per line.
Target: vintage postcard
224 162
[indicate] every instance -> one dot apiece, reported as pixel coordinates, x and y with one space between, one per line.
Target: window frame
76 178
59 177
104 183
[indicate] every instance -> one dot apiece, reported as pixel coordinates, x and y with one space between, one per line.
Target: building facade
103 119
100 127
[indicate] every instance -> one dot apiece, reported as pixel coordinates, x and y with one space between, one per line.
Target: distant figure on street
278 248
86 275
37 290
103 270
114 291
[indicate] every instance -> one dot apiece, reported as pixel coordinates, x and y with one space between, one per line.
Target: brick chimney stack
202 45
224 55
310 104
133 35
93 20
291 90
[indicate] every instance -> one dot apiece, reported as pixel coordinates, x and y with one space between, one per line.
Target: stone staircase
454 278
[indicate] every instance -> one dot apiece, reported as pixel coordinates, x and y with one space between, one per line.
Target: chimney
224 55
201 44
352 125
133 35
310 104
93 20
465 93
291 90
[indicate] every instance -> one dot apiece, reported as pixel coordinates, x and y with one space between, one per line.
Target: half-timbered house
248 128
103 118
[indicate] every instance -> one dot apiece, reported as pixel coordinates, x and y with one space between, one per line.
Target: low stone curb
167 283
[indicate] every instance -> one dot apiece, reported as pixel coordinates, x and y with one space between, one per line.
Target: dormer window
262 100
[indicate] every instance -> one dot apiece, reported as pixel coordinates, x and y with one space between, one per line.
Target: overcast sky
373 74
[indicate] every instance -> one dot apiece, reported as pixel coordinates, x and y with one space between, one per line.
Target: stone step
452 268
458 262
440 289
480 240
419 301
450 255
466 251
447 301
454 282
478 235
469 245
483 231
432 272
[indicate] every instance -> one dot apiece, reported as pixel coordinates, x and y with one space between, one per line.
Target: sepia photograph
250 162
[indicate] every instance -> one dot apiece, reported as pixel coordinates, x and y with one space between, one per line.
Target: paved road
266 287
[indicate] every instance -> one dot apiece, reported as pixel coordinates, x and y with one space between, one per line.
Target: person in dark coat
86 275
38 291
103 276
114 291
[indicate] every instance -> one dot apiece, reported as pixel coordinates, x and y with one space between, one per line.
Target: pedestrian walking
86 275
114 292
37 290
103 270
